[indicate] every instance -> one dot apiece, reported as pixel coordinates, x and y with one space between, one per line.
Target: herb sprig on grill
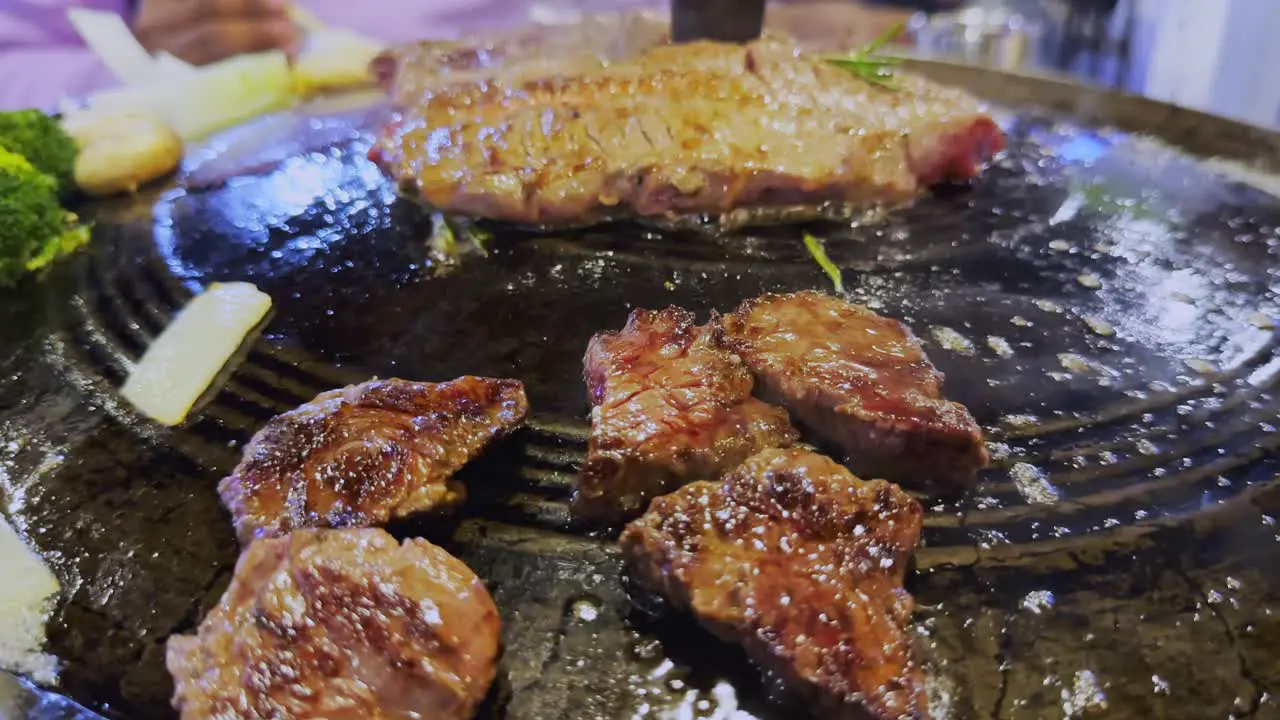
818 251
868 64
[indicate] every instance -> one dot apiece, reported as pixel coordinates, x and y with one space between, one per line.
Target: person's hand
205 31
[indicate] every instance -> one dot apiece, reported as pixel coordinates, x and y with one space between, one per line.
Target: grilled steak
668 407
860 381
802 564
407 72
737 132
367 454
340 625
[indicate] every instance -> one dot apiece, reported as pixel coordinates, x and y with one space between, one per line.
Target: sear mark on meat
340 625
668 132
802 564
368 454
668 406
860 381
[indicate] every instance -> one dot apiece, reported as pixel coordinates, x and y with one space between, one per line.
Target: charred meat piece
368 454
668 407
860 381
674 131
340 625
802 564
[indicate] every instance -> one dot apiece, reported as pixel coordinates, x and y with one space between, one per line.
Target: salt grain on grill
1099 326
1000 346
952 340
1261 321
1090 281
1204 367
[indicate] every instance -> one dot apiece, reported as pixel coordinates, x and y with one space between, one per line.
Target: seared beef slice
368 454
801 563
859 380
668 407
340 625
672 131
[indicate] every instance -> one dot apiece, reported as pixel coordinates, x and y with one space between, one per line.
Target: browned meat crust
368 454
669 407
802 564
340 625
860 381
410 70
407 71
673 131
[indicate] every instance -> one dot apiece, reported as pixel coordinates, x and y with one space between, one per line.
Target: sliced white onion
25 601
184 359
168 65
110 39
306 20
335 59
211 97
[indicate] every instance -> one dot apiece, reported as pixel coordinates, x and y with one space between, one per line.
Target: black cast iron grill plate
1165 422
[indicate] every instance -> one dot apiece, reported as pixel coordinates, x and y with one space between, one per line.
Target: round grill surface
1103 302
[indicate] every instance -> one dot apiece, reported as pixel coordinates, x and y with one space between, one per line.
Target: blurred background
1212 55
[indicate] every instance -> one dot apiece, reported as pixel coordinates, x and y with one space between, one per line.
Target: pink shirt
42 59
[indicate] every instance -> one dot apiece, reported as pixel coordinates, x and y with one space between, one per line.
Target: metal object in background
21 699
722 20
992 34
1090 39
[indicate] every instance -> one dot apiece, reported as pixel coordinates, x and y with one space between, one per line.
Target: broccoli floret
35 228
41 140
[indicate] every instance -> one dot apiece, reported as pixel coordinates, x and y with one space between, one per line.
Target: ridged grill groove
1168 448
